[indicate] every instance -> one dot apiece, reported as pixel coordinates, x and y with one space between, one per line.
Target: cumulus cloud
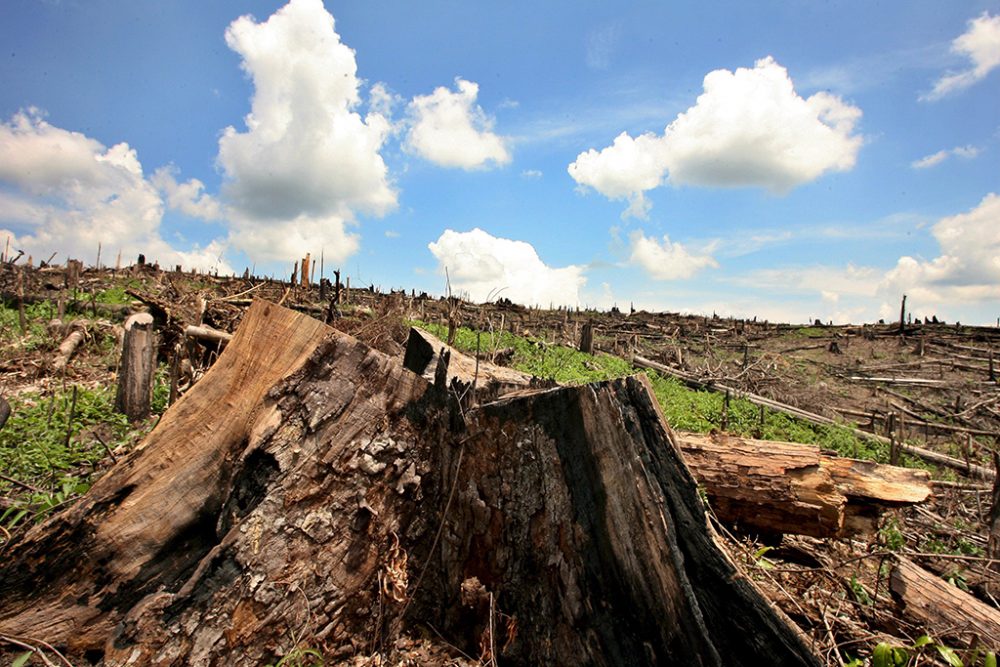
968 268
667 260
484 266
308 162
980 44
449 129
624 170
189 197
966 152
69 193
748 128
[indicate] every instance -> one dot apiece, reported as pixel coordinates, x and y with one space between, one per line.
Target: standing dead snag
310 489
136 368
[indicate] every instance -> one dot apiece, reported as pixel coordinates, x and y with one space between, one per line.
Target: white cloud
484 266
70 193
980 43
667 260
968 268
748 128
531 173
961 283
308 162
930 160
624 170
189 197
966 152
451 130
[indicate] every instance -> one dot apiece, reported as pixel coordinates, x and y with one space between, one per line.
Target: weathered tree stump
136 368
310 491
587 338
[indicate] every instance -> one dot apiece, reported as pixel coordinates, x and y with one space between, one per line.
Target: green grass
36 315
33 445
113 295
551 362
34 448
685 409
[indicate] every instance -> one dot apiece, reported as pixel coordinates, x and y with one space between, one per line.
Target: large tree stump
310 491
136 368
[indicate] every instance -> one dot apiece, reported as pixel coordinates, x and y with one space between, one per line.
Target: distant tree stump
138 363
587 338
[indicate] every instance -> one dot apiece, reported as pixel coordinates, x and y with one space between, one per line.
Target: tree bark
310 491
943 610
587 338
136 368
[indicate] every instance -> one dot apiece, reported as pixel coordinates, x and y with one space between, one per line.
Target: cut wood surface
310 489
943 610
144 523
781 487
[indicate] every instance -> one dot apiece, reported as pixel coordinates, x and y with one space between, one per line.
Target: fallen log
207 333
311 491
942 610
965 467
781 487
69 345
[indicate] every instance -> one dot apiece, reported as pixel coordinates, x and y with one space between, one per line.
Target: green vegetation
685 409
42 448
551 362
887 655
36 316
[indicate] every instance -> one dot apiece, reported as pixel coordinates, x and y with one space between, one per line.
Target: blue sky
789 160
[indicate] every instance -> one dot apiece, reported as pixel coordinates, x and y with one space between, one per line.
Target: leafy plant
886 655
891 536
300 657
34 447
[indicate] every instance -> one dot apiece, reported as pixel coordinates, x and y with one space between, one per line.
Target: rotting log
136 368
781 487
69 345
311 491
207 333
942 610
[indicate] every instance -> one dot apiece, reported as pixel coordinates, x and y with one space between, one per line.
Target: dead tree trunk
136 368
587 338
69 345
310 491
